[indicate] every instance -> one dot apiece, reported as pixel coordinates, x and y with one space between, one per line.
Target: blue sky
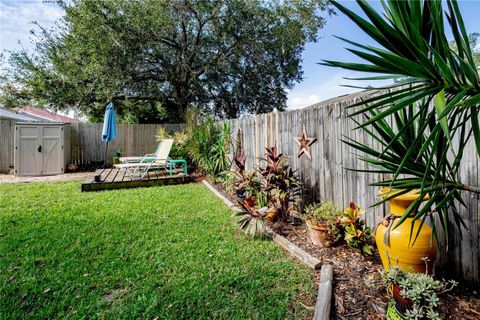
319 83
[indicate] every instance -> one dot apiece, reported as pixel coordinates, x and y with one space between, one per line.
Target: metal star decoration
305 142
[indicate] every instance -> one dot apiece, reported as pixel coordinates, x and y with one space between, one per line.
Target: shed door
52 149
28 161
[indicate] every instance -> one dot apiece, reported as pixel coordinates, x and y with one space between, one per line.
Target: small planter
72 167
318 234
402 304
116 160
271 216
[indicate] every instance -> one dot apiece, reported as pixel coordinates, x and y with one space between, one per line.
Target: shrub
357 235
325 212
209 146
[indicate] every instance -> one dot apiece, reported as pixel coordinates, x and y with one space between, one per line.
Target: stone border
294 250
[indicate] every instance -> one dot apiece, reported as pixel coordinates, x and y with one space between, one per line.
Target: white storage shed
41 148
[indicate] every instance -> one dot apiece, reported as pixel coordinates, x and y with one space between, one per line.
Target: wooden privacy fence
86 144
326 176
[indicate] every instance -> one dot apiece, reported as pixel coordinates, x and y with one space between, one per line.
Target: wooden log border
293 249
324 297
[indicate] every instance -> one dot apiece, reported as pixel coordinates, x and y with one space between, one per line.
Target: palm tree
434 100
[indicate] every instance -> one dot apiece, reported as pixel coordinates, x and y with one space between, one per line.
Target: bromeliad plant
244 183
252 219
280 184
357 234
434 100
275 199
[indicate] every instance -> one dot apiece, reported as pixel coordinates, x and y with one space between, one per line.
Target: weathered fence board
86 144
6 145
326 176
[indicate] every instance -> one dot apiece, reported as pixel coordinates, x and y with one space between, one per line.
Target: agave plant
434 100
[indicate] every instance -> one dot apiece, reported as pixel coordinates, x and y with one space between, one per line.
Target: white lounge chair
160 160
164 147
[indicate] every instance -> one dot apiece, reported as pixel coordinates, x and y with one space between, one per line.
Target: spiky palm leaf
435 99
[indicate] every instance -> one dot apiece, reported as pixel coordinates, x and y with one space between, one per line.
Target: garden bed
353 297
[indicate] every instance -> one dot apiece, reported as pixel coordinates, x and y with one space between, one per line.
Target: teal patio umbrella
109 131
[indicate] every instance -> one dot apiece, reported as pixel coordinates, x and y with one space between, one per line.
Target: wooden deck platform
117 179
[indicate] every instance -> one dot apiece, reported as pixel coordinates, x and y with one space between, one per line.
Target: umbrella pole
105 161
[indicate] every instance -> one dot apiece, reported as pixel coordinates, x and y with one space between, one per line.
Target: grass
156 253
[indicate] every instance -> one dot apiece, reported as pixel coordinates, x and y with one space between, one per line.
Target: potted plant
72 167
317 218
408 244
116 156
357 234
415 294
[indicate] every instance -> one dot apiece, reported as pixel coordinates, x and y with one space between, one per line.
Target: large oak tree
157 58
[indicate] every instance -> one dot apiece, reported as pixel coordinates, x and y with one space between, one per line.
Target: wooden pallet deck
117 179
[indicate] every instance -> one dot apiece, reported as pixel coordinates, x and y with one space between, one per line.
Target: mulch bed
354 299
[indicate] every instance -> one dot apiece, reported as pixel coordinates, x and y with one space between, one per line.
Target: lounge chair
158 161
163 145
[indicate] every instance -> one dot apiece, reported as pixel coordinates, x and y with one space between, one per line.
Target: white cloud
16 21
328 89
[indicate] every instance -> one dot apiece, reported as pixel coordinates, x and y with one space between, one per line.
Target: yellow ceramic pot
394 244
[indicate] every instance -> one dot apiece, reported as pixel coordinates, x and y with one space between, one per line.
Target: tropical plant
118 153
418 296
322 213
434 100
209 146
357 235
252 219
242 181
280 184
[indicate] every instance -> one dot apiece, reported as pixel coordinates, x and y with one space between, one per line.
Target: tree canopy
156 58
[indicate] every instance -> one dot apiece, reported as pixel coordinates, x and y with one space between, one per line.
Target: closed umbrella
109 131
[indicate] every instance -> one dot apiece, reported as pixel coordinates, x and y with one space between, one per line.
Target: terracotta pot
72 167
318 233
401 303
271 216
399 251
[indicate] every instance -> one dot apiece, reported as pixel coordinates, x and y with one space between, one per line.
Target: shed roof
6 114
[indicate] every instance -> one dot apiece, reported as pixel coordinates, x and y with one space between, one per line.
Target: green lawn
156 253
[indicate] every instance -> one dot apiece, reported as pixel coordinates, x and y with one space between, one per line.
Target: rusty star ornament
304 143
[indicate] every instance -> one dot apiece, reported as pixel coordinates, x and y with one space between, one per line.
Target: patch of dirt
114 295
353 298
5 178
